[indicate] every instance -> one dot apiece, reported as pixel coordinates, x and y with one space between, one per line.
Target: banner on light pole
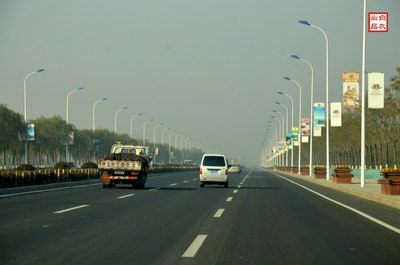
319 114
30 132
336 114
376 90
317 132
351 88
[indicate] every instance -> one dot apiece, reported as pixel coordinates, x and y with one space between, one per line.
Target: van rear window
215 161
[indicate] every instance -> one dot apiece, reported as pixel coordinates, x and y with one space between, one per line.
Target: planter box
389 187
304 171
320 173
342 175
342 178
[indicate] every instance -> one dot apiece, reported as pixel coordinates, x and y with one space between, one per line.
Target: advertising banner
30 132
351 96
71 138
319 114
336 114
305 126
376 90
317 132
378 21
289 140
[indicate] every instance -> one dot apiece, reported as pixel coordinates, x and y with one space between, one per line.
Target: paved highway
262 218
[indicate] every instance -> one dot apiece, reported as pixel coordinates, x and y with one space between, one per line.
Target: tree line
52 135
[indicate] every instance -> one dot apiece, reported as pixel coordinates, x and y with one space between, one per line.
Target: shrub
89 165
62 165
25 167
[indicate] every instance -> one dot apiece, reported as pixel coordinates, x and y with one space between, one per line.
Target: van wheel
201 185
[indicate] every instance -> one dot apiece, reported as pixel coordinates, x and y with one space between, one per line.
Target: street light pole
115 118
291 99
299 136
283 132
67 120
304 22
169 147
363 99
162 135
154 140
25 117
133 117
287 129
311 107
144 130
94 113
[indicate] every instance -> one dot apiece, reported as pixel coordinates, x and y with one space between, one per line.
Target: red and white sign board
378 21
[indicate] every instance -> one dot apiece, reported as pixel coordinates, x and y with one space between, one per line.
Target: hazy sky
209 69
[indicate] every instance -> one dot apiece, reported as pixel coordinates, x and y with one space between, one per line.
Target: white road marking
73 208
125 196
239 186
235 191
373 219
229 199
194 247
195 179
219 213
47 190
185 181
154 189
173 184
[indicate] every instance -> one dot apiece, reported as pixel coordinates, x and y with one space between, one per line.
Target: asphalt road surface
262 218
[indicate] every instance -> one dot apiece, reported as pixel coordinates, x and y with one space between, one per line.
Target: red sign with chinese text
378 21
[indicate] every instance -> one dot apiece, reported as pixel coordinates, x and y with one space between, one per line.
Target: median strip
194 247
73 208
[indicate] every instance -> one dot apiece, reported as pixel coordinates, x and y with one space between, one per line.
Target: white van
214 170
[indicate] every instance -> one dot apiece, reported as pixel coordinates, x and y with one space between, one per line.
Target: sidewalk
371 190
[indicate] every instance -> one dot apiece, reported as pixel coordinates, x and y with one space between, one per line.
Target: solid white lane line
373 219
125 196
154 189
219 213
185 181
173 184
47 190
235 191
194 247
73 208
229 199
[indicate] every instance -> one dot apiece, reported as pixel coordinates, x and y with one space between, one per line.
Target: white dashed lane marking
73 208
194 247
219 213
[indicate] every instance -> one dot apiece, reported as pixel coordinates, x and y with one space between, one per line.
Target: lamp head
287 78
304 22
277 102
281 93
295 56
80 88
40 70
274 111
104 98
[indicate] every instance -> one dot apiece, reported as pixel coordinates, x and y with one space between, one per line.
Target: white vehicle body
214 170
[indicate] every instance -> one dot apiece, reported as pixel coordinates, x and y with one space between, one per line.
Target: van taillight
226 172
201 171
